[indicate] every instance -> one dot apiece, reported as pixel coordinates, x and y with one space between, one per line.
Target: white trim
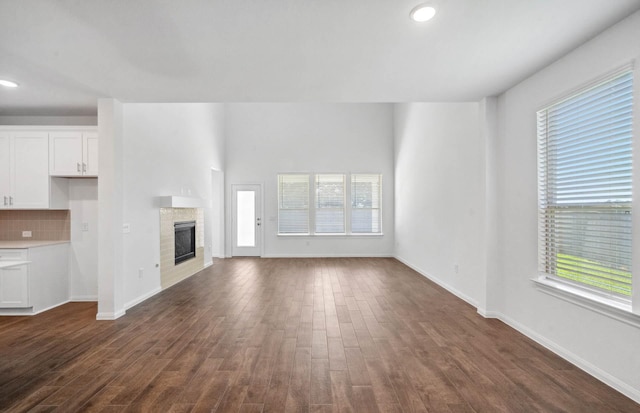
110 316
207 264
635 199
489 314
51 307
6 312
54 128
28 310
83 298
593 302
329 255
589 84
143 297
341 236
486 314
571 357
438 281
183 202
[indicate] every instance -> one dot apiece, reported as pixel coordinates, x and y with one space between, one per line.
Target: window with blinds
329 200
365 203
585 181
293 204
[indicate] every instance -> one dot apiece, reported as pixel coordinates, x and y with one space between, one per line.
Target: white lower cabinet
39 284
14 287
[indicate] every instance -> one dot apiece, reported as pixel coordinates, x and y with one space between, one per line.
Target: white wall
606 347
440 194
110 207
83 251
217 221
271 138
169 149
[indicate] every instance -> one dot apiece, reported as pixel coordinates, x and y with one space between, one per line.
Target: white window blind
365 203
585 181
293 204
330 193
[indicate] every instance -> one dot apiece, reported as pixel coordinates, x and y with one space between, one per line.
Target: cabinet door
90 155
65 156
14 287
5 170
30 170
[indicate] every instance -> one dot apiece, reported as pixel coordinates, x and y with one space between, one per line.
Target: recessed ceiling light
8 83
422 13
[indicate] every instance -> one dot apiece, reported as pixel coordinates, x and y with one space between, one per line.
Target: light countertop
28 244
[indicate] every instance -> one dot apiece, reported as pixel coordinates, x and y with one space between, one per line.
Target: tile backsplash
45 225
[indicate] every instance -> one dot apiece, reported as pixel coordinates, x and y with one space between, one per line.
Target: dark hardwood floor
289 335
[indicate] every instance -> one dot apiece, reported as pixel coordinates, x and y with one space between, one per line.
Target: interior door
247 220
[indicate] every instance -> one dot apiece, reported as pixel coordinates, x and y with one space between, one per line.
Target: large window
585 181
330 195
365 203
338 207
293 204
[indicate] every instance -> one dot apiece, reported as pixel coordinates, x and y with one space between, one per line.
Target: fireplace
185 240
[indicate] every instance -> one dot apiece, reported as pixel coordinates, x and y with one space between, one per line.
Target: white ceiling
68 53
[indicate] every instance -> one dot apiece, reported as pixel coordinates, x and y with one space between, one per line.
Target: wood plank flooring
289 335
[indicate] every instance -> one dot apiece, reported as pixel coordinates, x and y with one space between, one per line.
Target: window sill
610 308
358 235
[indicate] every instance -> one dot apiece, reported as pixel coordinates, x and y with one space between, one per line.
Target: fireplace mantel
183 202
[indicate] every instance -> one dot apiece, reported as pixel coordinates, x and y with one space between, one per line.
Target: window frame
308 208
347 207
378 208
627 311
316 206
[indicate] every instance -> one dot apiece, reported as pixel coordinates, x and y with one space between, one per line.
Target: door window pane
246 216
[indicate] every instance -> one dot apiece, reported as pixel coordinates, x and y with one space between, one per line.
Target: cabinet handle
5 201
10 200
78 164
84 167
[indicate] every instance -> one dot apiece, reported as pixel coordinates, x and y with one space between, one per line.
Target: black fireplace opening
185 236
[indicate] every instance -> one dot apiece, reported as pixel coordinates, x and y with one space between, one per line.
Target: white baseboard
83 298
571 357
29 311
208 264
438 281
489 314
328 255
110 316
51 307
142 298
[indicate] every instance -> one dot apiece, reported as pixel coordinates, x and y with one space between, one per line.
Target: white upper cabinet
73 153
24 164
5 169
90 153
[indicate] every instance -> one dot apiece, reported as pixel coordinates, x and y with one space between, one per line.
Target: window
365 203
293 204
585 180
330 204
338 208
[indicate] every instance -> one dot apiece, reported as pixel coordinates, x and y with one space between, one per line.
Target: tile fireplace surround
170 273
